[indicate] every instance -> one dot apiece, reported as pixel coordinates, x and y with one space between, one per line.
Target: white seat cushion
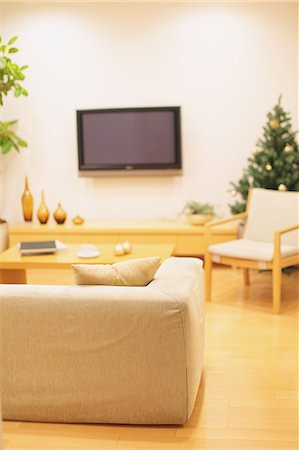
249 249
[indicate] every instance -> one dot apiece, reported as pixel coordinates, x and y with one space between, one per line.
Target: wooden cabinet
189 240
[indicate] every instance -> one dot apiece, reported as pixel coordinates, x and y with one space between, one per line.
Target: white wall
224 64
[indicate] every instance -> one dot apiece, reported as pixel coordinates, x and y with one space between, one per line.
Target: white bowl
199 219
88 253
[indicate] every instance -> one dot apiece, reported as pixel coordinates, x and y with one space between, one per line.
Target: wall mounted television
130 141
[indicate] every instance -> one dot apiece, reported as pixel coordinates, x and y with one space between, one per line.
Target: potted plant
198 213
11 74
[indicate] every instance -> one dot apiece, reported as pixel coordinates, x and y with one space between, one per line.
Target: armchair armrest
208 227
277 239
227 220
286 230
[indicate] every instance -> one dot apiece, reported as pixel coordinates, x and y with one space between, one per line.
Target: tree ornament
255 151
288 148
274 123
268 167
282 187
233 192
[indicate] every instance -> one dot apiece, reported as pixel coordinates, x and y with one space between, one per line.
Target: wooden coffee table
13 266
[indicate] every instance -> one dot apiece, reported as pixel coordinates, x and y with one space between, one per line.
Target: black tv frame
144 169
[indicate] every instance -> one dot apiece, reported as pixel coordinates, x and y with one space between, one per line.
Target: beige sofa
104 354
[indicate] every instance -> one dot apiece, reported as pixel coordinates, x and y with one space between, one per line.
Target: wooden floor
248 398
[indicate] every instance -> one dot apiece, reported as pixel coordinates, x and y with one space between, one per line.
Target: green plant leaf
12 40
22 143
194 207
13 50
2 62
18 90
6 146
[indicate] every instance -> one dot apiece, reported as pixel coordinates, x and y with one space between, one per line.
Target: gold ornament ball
282 187
268 167
255 150
288 148
274 123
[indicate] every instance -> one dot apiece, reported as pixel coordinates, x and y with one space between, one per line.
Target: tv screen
129 139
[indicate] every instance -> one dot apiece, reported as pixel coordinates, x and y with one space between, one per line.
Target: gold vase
27 203
78 220
60 214
43 212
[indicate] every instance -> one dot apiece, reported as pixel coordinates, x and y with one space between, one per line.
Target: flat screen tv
129 140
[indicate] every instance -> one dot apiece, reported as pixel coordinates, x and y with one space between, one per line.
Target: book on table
37 247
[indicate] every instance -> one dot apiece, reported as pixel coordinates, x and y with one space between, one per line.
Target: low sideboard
189 240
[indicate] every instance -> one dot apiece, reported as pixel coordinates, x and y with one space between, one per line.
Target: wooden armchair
270 239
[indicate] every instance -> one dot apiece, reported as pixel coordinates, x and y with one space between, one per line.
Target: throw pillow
133 272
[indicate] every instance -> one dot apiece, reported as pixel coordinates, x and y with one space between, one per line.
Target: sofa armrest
182 280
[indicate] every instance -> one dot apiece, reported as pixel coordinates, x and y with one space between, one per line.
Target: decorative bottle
60 214
43 212
27 203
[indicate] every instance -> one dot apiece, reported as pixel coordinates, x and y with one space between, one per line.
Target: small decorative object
255 151
27 203
119 250
43 212
198 213
282 187
274 123
288 148
127 247
59 215
78 220
88 251
268 167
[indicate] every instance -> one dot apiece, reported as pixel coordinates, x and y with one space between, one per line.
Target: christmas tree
274 163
